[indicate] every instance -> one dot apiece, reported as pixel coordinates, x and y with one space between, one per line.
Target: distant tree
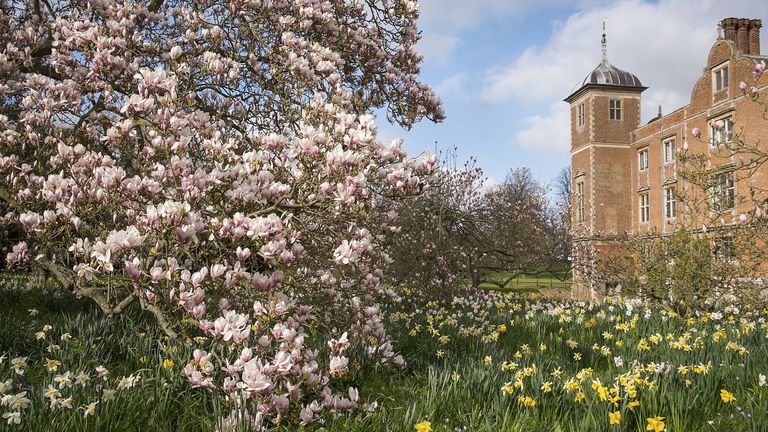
514 234
561 215
562 187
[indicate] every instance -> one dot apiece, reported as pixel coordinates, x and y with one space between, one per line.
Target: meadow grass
473 361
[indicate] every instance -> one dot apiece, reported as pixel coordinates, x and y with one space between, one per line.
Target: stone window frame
716 135
669 151
642 159
721 81
580 202
724 248
669 198
580 114
614 109
722 186
645 206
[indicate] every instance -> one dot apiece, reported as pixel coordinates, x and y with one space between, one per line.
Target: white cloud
442 20
550 132
437 47
665 44
450 85
488 184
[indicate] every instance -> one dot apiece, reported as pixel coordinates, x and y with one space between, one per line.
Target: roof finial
659 111
719 31
605 42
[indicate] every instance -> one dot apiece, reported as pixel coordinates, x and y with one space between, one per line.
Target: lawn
556 278
483 361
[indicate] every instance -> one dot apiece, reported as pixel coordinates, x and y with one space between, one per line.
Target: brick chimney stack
754 36
729 28
742 40
745 33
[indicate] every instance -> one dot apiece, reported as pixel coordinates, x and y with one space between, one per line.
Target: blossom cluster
272 374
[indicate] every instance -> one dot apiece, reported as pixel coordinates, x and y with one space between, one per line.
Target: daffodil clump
476 362
63 389
615 364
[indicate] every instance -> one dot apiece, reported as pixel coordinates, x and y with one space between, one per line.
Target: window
615 110
642 157
720 78
580 114
720 131
725 248
669 149
645 207
580 202
670 203
723 192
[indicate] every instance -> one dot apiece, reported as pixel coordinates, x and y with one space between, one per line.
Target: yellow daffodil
527 401
655 424
727 396
614 418
52 365
424 426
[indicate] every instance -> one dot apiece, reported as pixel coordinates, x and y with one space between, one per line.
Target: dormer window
720 78
615 109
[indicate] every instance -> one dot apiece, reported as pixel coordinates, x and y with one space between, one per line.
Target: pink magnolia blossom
17 254
696 132
759 68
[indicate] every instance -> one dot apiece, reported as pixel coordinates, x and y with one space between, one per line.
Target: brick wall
606 151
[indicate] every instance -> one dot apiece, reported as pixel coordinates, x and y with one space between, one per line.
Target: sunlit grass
465 357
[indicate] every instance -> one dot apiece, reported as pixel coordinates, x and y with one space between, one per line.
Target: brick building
626 174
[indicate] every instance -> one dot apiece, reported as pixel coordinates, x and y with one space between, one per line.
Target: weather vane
604 41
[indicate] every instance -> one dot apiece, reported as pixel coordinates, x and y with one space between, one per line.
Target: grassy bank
483 362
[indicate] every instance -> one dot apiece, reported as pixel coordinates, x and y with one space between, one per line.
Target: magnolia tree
515 234
437 230
198 158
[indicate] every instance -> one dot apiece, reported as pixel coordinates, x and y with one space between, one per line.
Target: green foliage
681 270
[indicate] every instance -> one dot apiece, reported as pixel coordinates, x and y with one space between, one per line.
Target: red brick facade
606 152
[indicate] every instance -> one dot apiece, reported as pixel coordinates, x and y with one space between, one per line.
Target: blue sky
503 67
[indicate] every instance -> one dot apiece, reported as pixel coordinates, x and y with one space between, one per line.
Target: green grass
456 391
531 281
